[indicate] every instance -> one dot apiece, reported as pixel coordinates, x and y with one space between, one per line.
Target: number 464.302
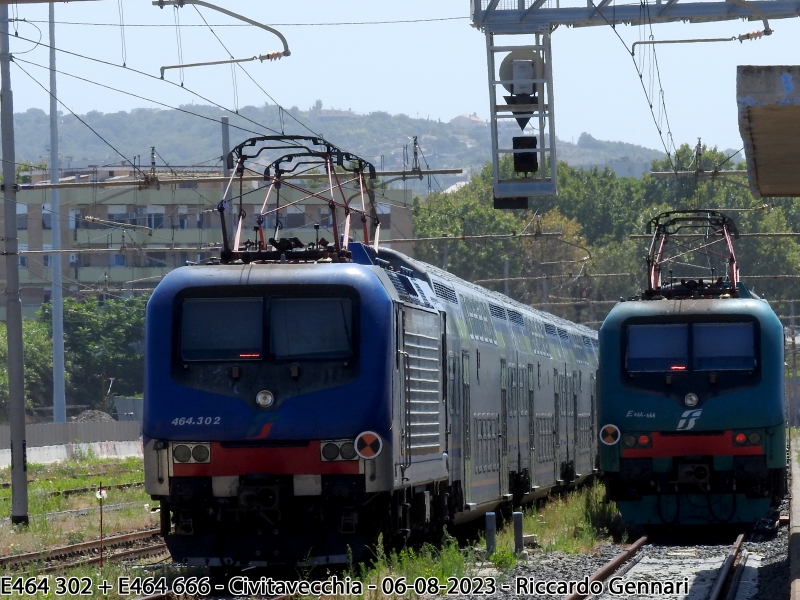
196 421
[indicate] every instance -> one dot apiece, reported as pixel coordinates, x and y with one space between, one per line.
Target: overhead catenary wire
105 141
148 75
330 24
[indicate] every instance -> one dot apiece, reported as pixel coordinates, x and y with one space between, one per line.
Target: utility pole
505 276
16 379
56 297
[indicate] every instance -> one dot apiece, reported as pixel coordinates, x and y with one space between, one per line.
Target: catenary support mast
16 382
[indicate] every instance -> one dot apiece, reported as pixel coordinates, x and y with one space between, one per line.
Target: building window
200 220
47 217
384 216
294 218
22 221
118 260
155 220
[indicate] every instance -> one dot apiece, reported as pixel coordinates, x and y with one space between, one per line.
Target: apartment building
123 239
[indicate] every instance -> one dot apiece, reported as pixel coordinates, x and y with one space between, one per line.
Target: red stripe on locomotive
667 446
295 460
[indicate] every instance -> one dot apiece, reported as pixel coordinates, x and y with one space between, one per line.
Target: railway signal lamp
518 72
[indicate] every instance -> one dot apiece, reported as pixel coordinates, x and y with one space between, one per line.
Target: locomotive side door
466 432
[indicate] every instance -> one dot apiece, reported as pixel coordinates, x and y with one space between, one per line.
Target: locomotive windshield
311 328
690 347
208 334
237 328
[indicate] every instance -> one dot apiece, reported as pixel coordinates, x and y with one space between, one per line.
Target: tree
104 347
37 353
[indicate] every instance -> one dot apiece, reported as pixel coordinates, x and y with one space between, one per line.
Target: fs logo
688 419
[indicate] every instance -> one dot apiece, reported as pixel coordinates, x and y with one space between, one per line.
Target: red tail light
740 438
644 440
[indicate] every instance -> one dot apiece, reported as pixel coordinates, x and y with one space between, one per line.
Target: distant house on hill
333 113
468 122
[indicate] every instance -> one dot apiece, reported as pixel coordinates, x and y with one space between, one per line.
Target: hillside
182 138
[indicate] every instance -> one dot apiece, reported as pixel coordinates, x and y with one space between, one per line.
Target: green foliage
446 560
503 558
37 351
102 342
595 214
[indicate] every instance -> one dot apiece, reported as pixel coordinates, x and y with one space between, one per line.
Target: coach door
531 425
503 438
466 420
559 384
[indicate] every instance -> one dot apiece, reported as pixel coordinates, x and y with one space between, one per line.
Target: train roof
756 307
427 271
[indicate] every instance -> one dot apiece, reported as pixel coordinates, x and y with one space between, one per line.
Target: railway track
646 571
7 484
130 545
86 490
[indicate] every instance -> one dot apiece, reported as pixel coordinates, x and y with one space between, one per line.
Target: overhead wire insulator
277 55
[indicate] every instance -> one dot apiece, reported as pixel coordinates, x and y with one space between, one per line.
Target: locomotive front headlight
754 437
201 453
347 451
330 451
182 453
629 440
690 400
265 399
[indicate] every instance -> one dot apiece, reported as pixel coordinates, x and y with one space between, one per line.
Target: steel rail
159 548
722 577
611 566
29 557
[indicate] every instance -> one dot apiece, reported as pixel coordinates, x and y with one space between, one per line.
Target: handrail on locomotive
306 153
691 231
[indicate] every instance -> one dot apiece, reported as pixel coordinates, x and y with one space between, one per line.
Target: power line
105 141
108 87
331 24
148 75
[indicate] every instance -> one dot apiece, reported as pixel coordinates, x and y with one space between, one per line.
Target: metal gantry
529 64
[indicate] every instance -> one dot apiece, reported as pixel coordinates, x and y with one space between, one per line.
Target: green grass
572 523
427 561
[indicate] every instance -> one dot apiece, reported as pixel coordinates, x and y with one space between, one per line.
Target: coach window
311 328
206 333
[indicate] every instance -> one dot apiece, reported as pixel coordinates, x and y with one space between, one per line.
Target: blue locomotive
691 404
302 399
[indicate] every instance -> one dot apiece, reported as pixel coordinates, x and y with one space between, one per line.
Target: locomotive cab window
311 328
221 336
723 347
671 352
676 347
276 328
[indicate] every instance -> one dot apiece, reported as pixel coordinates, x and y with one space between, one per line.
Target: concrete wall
57 434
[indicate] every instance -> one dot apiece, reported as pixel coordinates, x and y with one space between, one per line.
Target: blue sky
433 69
